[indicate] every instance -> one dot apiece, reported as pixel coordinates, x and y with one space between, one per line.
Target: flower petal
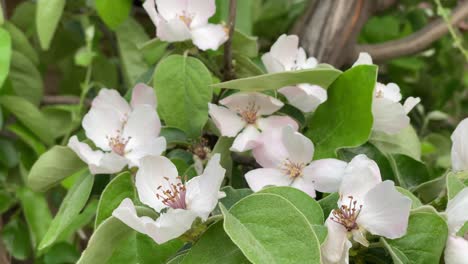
155 171
363 59
110 163
142 126
246 140
227 121
259 178
300 148
270 153
171 9
391 91
143 94
266 105
361 175
389 117
456 251
385 211
326 174
170 225
150 8
202 191
285 50
305 97
111 99
202 10
126 213
173 30
457 211
84 151
336 246
460 146
305 185
272 65
209 36
410 103
153 147
276 122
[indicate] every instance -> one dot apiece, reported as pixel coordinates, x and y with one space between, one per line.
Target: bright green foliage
5 54
48 15
113 13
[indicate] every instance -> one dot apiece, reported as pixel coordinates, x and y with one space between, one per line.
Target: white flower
180 20
456 250
124 133
286 158
460 147
244 113
285 55
159 187
366 205
390 116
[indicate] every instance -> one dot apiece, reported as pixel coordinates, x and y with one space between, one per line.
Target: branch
62 99
415 42
228 71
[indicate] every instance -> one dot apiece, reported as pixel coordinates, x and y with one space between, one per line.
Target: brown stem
228 70
415 42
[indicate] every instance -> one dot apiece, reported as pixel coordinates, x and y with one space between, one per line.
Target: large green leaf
319 76
269 229
409 172
25 78
29 116
48 13
119 188
214 247
70 208
112 12
424 241
53 166
345 119
5 54
183 87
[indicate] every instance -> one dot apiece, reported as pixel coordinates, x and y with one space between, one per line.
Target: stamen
379 94
173 197
347 215
200 149
293 170
118 143
249 114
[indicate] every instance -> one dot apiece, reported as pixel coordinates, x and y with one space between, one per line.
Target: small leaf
405 142
15 237
21 43
113 12
232 197
245 45
454 184
415 202
48 15
222 147
25 78
5 54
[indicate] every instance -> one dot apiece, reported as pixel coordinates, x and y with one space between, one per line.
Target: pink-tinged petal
270 153
174 30
153 147
460 146
300 148
391 91
100 124
246 140
271 64
301 58
457 211
385 211
111 99
266 105
363 59
336 246
202 10
305 185
361 175
143 94
142 126
259 178
209 36
171 9
410 103
150 8
170 225
276 122
456 251
326 174
155 172
227 121
305 97
203 191
389 117
285 50
110 163
126 213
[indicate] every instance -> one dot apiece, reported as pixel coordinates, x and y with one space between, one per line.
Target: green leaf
36 212
112 12
454 184
345 119
29 116
53 166
21 43
329 203
119 188
130 35
424 241
306 205
25 78
415 202
405 142
245 45
61 253
71 206
222 147
6 201
215 247
48 13
174 136
8 154
153 50
27 137
409 172
183 87
15 237
245 67
430 190
5 54
84 218
232 197
319 76
261 223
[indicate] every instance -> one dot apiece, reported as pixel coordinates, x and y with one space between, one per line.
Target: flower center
186 18
249 114
292 169
201 149
379 94
173 197
118 144
347 215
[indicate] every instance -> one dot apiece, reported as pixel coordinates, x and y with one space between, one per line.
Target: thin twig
415 42
228 70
